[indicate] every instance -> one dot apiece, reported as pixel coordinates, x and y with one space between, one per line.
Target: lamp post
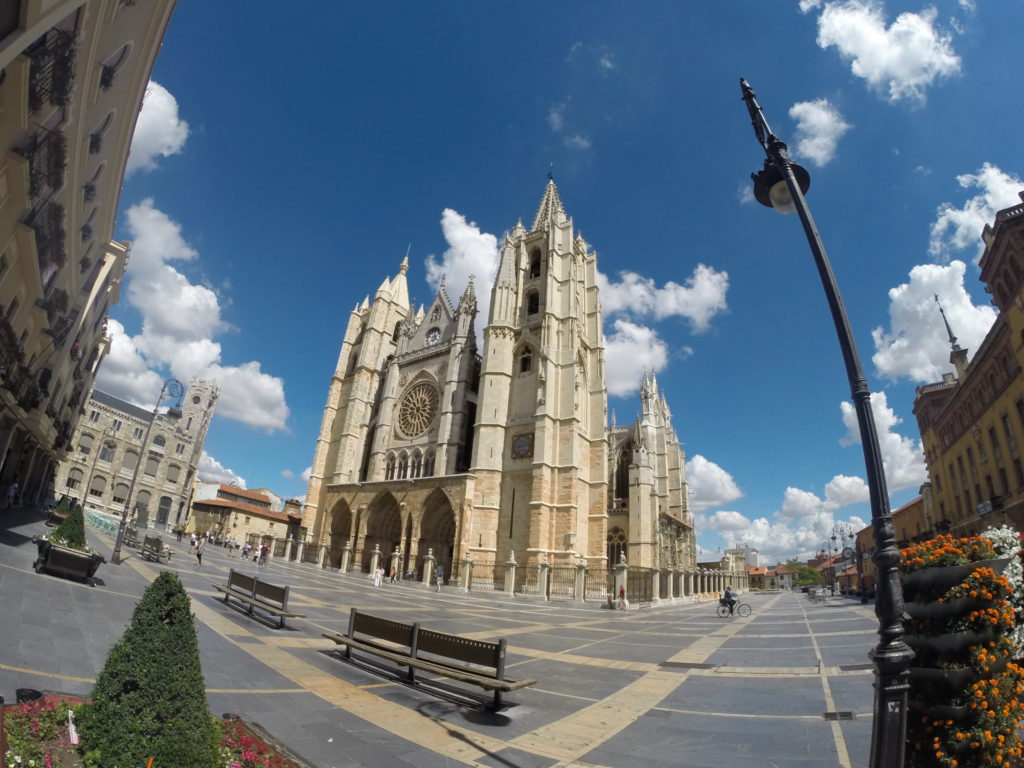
108 432
781 184
175 389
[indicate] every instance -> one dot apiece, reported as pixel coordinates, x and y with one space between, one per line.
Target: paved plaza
664 686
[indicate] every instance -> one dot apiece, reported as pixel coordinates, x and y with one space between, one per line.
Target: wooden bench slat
270 598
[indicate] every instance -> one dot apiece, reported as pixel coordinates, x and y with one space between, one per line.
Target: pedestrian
192 543
623 602
439 577
264 551
200 546
378 576
394 575
179 532
12 494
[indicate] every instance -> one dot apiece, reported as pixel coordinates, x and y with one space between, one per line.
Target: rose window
417 409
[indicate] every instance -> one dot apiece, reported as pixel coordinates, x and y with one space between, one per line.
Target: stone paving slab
615 688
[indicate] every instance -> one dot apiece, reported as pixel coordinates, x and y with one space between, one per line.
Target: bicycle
740 609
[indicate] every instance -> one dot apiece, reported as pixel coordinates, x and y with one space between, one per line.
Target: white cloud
306 474
809 5
745 193
842 490
212 471
709 484
629 349
819 126
799 536
800 503
178 330
577 141
916 346
287 474
903 457
470 253
606 61
956 229
903 59
699 300
556 116
159 132
727 521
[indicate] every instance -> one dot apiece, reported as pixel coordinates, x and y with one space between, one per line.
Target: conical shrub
71 532
150 698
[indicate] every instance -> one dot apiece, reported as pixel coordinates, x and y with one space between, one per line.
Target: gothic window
398 330
389 472
526 361
535 262
616 545
428 464
417 464
417 410
403 466
622 475
532 303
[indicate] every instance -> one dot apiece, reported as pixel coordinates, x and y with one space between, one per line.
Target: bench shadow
477 709
258 617
435 712
13 538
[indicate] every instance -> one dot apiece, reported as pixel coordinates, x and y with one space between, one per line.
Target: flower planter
952 680
941 578
70 563
958 714
953 644
949 609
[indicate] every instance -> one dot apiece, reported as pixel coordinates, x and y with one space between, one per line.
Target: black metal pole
892 655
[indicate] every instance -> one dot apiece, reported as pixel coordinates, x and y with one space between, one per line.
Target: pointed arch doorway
341 532
384 528
437 532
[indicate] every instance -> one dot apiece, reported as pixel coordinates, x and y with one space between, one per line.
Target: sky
282 167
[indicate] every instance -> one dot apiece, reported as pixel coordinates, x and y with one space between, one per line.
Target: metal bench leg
497 699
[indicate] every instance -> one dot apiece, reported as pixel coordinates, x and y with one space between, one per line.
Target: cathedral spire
550 207
957 355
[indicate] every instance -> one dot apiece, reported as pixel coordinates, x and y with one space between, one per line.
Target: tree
150 698
794 564
71 532
807 575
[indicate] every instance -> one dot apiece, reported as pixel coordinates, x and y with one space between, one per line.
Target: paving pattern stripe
843 754
705 713
570 738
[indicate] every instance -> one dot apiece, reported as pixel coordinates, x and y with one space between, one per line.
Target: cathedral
431 444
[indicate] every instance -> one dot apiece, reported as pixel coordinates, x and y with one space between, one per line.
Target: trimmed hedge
150 698
71 532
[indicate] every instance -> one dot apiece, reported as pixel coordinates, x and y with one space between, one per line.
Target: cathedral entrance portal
341 531
437 532
383 527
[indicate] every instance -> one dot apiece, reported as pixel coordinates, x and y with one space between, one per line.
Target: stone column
580 587
621 571
655 586
671 586
375 560
428 566
545 579
323 554
346 556
467 574
298 553
288 548
396 563
510 574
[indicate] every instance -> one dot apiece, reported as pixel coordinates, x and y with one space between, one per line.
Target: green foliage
807 575
150 698
794 564
71 533
63 506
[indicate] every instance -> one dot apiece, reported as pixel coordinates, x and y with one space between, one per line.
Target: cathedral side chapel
429 444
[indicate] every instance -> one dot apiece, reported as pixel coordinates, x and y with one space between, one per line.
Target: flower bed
965 688
37 736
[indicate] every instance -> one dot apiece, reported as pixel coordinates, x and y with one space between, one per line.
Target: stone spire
957 355
550 208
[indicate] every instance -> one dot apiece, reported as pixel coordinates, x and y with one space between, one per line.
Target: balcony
48 223
11 353
47 162
51 74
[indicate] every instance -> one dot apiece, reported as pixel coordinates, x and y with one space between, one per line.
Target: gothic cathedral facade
431 444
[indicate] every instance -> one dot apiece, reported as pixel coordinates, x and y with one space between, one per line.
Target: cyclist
729 598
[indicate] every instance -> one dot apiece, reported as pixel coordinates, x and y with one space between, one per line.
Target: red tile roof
245 494
249 509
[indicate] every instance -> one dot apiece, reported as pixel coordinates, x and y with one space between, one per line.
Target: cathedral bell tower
541 449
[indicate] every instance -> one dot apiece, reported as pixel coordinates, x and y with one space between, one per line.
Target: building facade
241 515
429 445
72 77
972 422
125 456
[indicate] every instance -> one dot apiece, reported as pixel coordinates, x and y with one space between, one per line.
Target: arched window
152 465
532 303
107 452
74 479
526 360
417 464
622 475
160 440
389 473
535 262
616 545
110 67
172 473
96 137
130 461
97 486
428 464
120 495
85 443
403 466
142 501
398 330
163 510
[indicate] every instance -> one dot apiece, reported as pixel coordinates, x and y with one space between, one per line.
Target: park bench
153 549
131 537
477 662
256 593
817 595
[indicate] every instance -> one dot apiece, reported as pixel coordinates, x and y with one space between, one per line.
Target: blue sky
283 165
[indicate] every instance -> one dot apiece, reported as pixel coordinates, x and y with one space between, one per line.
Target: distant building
72 77
910 524
276 502
749 553
118 443
227 511
784 577
972 422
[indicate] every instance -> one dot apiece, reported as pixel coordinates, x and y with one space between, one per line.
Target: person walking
200 546
439 578
192 543
12 494
378 576
394 575
264 551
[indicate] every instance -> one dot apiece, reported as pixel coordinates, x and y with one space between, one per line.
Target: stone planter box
946 610
70 563
939 579
950 644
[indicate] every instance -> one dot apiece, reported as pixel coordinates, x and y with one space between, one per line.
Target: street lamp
108 432
781 184
175 389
